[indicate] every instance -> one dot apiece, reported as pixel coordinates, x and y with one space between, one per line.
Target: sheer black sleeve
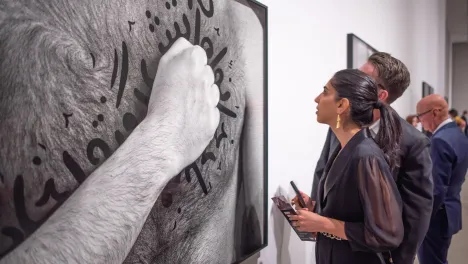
382 229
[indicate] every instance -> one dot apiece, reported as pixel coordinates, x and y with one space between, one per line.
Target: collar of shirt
374 128
448 120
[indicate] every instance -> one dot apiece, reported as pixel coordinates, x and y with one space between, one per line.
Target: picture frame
214 198
261 11
358 51
426 89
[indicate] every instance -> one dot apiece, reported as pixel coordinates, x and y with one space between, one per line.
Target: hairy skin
51 98
75 234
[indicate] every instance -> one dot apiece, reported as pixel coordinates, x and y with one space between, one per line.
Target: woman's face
326 105
415 121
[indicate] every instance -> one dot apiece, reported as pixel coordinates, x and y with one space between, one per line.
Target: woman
413 120
358 213
460 123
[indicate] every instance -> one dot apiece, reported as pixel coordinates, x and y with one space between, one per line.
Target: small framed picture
358 51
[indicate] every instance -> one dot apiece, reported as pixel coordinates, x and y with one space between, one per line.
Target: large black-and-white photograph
133 131
358 51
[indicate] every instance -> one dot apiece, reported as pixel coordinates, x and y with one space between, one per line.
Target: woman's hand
306 221
309 203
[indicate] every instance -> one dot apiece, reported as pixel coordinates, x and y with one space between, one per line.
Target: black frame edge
265 139
349 48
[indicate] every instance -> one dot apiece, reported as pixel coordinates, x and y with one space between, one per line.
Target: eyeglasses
418 116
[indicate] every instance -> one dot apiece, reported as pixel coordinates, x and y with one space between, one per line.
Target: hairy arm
100 222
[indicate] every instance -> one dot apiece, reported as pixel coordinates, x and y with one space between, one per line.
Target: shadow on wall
281 233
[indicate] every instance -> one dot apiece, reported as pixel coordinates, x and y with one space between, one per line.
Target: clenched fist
183 101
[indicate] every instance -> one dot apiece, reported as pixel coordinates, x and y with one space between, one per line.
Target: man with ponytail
413 171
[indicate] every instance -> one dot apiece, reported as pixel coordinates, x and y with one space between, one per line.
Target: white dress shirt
448 120
374 128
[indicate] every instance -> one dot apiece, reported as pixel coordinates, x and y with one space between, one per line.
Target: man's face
415 121
427 116
370 69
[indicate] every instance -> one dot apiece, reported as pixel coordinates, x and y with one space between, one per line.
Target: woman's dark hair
361 91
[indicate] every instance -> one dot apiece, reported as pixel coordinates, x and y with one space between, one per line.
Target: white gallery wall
460 78
307 44
457 33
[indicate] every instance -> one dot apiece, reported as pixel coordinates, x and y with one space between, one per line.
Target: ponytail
362 92
389 135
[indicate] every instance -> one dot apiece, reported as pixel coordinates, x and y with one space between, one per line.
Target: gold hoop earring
338 121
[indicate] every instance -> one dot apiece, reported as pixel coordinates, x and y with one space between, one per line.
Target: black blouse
358 188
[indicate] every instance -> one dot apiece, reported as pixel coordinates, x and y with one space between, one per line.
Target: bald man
450 164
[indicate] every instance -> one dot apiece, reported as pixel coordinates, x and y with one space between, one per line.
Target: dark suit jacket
414 182
449 152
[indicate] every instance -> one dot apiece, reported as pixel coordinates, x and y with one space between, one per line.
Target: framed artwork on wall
426 89
251 216
358 51
90 78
